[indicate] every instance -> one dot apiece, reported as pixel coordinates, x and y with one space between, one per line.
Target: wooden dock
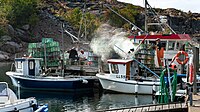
172 107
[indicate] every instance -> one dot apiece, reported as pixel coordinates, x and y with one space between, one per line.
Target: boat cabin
28 66
171 43
122 69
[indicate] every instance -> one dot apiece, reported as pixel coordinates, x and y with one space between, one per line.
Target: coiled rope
164 86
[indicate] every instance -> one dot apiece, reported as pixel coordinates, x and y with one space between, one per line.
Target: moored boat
10 103
123 77
28 74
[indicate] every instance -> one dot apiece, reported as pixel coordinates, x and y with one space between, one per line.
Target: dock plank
126 110
152 108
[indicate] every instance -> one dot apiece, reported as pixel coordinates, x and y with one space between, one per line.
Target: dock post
196 65
190 95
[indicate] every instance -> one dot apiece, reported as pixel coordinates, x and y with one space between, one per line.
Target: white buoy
18 89
84 81
136 88
154 89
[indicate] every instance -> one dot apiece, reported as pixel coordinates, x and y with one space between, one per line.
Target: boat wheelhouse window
164 43
171 45
31 65
152 42
3 90
177 46
19 64
114 68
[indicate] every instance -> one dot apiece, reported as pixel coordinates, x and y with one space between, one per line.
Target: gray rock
10 47
11 30
26 27
5 38
4 56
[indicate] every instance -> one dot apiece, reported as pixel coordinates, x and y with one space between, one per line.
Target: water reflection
112 101
59 101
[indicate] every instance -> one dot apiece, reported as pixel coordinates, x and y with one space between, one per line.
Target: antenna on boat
157 18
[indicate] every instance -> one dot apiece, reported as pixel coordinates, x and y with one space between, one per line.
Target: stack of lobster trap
48 49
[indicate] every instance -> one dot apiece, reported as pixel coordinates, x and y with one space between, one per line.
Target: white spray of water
110 39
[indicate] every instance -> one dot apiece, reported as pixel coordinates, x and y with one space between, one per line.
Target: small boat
10 103
28 74
123 77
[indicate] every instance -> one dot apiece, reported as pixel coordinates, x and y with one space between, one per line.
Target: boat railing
12 66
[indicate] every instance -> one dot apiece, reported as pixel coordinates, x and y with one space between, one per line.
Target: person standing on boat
159 52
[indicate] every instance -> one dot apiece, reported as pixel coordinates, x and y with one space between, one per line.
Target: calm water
88 101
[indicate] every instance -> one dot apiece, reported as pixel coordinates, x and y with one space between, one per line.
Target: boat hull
22 105
128 86
57 84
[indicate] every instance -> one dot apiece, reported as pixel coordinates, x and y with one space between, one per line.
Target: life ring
186 57
191 74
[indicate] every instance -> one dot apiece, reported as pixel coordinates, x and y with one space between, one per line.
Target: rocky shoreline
17 39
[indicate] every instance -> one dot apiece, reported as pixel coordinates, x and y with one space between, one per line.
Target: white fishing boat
123 77
10 103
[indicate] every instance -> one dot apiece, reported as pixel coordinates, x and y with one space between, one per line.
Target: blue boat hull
68 85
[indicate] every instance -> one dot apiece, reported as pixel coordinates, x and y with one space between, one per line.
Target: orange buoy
182 53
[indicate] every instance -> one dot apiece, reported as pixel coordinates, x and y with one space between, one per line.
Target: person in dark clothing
73 55
158 44
159 52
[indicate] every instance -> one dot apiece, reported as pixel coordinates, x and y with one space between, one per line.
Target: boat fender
136 88
84 81
191 73
15 109
154 89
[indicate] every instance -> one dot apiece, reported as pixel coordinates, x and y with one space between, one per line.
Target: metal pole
45 58
145 16
62 61
85 21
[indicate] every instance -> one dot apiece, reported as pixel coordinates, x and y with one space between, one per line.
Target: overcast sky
184 5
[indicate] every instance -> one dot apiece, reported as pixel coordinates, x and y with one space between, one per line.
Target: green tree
76 17
129 12
23 12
